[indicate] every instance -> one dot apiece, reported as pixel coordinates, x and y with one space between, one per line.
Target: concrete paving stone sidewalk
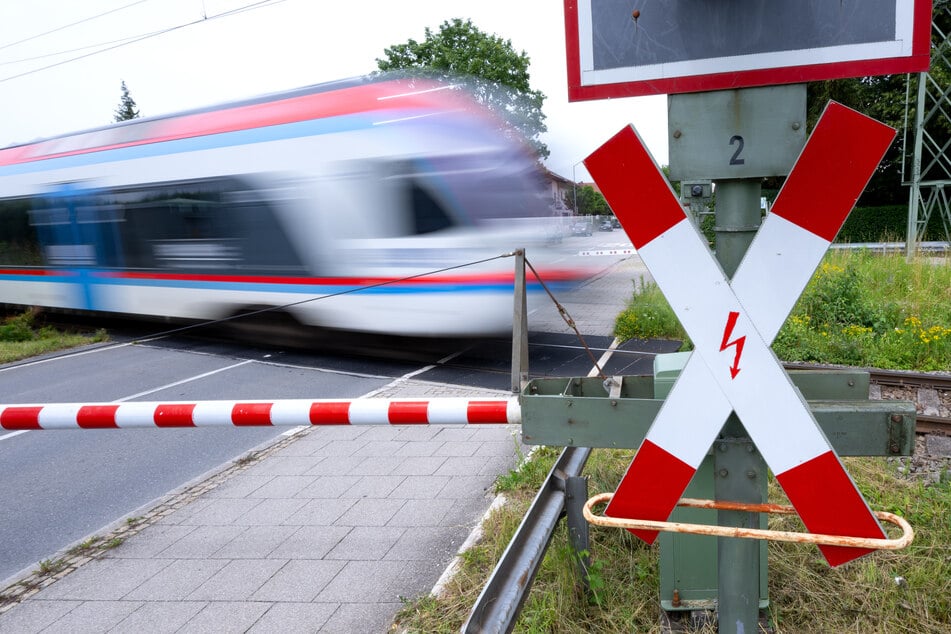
325 530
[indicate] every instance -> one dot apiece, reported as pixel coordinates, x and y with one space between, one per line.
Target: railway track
926 422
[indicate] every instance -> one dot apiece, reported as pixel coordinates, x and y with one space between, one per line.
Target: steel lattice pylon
930 169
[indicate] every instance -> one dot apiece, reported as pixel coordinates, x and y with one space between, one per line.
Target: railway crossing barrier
290 412
800 423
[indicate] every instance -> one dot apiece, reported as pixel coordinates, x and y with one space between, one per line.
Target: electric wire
71 24
79 48
568 320
249 7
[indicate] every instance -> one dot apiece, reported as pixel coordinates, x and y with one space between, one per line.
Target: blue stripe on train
311 289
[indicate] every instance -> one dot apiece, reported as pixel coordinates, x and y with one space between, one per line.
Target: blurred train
318 202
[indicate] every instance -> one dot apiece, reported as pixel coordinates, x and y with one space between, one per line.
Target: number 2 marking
735 159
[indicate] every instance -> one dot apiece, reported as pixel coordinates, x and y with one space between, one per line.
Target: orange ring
908 534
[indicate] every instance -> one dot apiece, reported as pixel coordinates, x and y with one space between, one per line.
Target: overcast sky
272 45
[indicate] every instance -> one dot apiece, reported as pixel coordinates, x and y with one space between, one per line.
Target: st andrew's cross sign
733 322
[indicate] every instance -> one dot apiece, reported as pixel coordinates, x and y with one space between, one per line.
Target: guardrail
564 490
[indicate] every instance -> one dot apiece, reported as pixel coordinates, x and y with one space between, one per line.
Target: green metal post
520 326
738 218
914 204
740 472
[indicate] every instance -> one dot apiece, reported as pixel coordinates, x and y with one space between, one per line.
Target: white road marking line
182 382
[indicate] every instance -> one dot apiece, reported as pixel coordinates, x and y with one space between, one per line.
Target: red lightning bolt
739 342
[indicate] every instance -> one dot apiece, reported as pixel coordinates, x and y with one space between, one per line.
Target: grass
859 309
22 336
903 591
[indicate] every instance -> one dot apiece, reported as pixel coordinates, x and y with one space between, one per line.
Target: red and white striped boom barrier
292 412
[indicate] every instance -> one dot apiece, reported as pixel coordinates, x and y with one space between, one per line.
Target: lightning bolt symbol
739 342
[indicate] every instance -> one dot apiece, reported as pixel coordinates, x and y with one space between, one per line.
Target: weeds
903 591
51 566
527 472
649 316
859 309
21 336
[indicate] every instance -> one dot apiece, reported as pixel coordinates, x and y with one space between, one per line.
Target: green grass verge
22 336
903 591
859 309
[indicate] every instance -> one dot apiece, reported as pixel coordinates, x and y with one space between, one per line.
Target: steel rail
925 424
502 598
895 378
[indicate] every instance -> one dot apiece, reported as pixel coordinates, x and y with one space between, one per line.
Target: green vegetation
21 336
590 202
649 316
903 591
51 566
859 309
495 72
127 108
885 224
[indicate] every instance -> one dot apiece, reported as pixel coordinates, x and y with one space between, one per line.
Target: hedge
880 224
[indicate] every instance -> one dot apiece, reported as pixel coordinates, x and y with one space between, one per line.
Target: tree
498 76
127 108
591 202
883 98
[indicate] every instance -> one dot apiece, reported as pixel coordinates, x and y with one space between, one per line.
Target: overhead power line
122 40
66 26
125 42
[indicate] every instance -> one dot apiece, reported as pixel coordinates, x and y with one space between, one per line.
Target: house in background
560 191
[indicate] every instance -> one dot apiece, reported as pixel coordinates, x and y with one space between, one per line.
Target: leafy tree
126 109
498 75
591 202
883 98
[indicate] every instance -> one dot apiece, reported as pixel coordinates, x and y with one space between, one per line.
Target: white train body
319 202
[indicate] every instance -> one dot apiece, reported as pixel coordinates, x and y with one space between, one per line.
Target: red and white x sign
733 322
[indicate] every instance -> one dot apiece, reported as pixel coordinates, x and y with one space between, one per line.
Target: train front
455 191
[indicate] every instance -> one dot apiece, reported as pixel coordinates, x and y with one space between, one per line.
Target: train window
213 224
476 188
41 216
428 214
18 243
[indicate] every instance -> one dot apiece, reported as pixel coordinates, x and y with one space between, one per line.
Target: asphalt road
60 486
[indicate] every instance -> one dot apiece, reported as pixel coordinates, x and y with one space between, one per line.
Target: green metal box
688 563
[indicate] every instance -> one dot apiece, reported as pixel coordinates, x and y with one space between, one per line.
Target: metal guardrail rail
502 598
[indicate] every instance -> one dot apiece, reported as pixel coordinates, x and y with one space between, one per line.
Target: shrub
648 316
859 309
18 328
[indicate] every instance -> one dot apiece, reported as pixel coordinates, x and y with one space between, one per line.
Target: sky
62 61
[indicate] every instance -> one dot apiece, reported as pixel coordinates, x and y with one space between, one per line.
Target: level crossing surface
358 516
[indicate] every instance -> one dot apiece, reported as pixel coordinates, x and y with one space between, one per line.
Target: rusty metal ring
908 534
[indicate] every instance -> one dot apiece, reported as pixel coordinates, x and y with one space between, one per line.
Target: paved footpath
324 530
